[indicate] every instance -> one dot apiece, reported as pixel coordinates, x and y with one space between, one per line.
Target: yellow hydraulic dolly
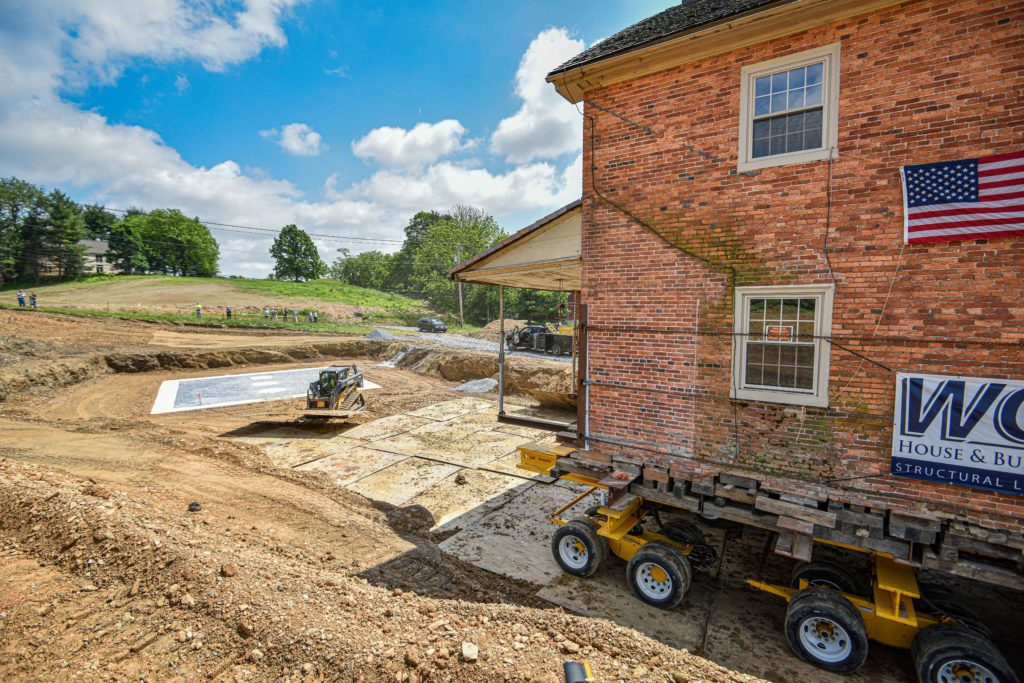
828 622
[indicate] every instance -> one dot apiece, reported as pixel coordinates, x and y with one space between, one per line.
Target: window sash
783 319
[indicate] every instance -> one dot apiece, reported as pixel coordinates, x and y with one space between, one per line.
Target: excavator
337 393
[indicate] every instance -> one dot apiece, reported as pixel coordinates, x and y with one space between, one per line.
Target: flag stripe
1000 183
956 236
1001 157
969 223
1003 168
966 208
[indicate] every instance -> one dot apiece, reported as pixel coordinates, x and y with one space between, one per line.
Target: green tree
175 244
402 277
295 256
65 228
20 202
372 269
98 222
127 249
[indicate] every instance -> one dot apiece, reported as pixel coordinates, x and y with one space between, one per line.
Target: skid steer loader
338 393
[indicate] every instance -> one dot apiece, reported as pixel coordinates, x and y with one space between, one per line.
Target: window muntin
789 109
779 353
780 344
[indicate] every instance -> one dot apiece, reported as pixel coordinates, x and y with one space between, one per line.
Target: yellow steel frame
890 618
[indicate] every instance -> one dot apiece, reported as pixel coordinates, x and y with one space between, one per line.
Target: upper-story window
789 109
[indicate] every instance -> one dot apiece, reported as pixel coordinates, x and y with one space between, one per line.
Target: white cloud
296 138
181 83
546 126
339 72
45 139
425 143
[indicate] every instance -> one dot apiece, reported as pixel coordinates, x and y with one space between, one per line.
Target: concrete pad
456 506
294 452
447 410
385 427
354 464
515 539
606 595
398 483
465 445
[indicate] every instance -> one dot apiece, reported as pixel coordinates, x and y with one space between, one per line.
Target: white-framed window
780 354
789 109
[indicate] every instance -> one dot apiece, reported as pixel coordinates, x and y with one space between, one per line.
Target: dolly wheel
951 653
578 549
824 629
827 575
659 575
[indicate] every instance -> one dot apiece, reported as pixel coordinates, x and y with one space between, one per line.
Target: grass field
165 294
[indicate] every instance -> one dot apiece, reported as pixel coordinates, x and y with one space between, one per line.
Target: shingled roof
666 24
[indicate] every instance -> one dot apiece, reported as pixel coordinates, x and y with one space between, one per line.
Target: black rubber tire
938 645
824 603
827 575
939 601
556 350
671 562
585 531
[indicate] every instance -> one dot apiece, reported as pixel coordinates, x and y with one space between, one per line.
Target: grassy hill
155 297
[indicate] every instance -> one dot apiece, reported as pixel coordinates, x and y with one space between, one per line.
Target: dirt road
105 574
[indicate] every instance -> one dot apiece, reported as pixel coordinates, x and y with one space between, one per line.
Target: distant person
32 300
199 311
21 298
309 316
228 312
316 317
266 312
273 313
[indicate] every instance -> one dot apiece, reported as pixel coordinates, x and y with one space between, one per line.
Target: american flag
966 199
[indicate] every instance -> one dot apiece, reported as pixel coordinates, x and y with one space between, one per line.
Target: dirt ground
105 574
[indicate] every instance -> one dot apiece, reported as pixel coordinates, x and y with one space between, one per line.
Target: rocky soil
109 573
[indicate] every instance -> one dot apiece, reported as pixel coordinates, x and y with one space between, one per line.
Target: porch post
501 350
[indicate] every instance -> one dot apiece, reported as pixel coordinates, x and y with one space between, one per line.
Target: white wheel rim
965 671
573 552
825 640
646 584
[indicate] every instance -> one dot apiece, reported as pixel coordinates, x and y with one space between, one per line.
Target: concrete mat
385 427
296 452
456 506
465 445
515 539
354 464
406 479
447 410
509 464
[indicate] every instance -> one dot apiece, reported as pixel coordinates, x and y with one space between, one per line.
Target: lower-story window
780 353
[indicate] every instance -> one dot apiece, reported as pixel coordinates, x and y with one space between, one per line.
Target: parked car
539 338
431 325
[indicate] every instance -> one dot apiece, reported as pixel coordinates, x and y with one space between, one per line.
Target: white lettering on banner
962 431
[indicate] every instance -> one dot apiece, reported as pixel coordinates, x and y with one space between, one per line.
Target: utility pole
458 260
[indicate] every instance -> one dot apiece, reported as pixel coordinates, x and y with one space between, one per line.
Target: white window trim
830 116
823 350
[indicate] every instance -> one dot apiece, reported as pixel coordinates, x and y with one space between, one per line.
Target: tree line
40 233
434 243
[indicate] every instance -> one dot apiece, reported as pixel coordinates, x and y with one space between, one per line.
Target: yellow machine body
889 616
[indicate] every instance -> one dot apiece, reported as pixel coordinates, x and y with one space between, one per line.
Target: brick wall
670 227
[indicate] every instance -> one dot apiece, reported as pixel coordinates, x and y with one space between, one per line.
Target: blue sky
342 117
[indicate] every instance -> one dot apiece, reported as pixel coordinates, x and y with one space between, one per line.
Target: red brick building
750 295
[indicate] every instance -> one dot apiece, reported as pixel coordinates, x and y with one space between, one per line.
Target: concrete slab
231 390
353 465
460 444
385 427
458 505
403 480
515 539
441 412
294 452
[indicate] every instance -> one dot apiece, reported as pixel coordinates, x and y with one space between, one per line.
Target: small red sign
778 333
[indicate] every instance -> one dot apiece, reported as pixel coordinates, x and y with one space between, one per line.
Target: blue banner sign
960 430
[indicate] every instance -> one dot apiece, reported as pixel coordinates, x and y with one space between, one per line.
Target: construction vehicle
829 619
337 393
557 341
